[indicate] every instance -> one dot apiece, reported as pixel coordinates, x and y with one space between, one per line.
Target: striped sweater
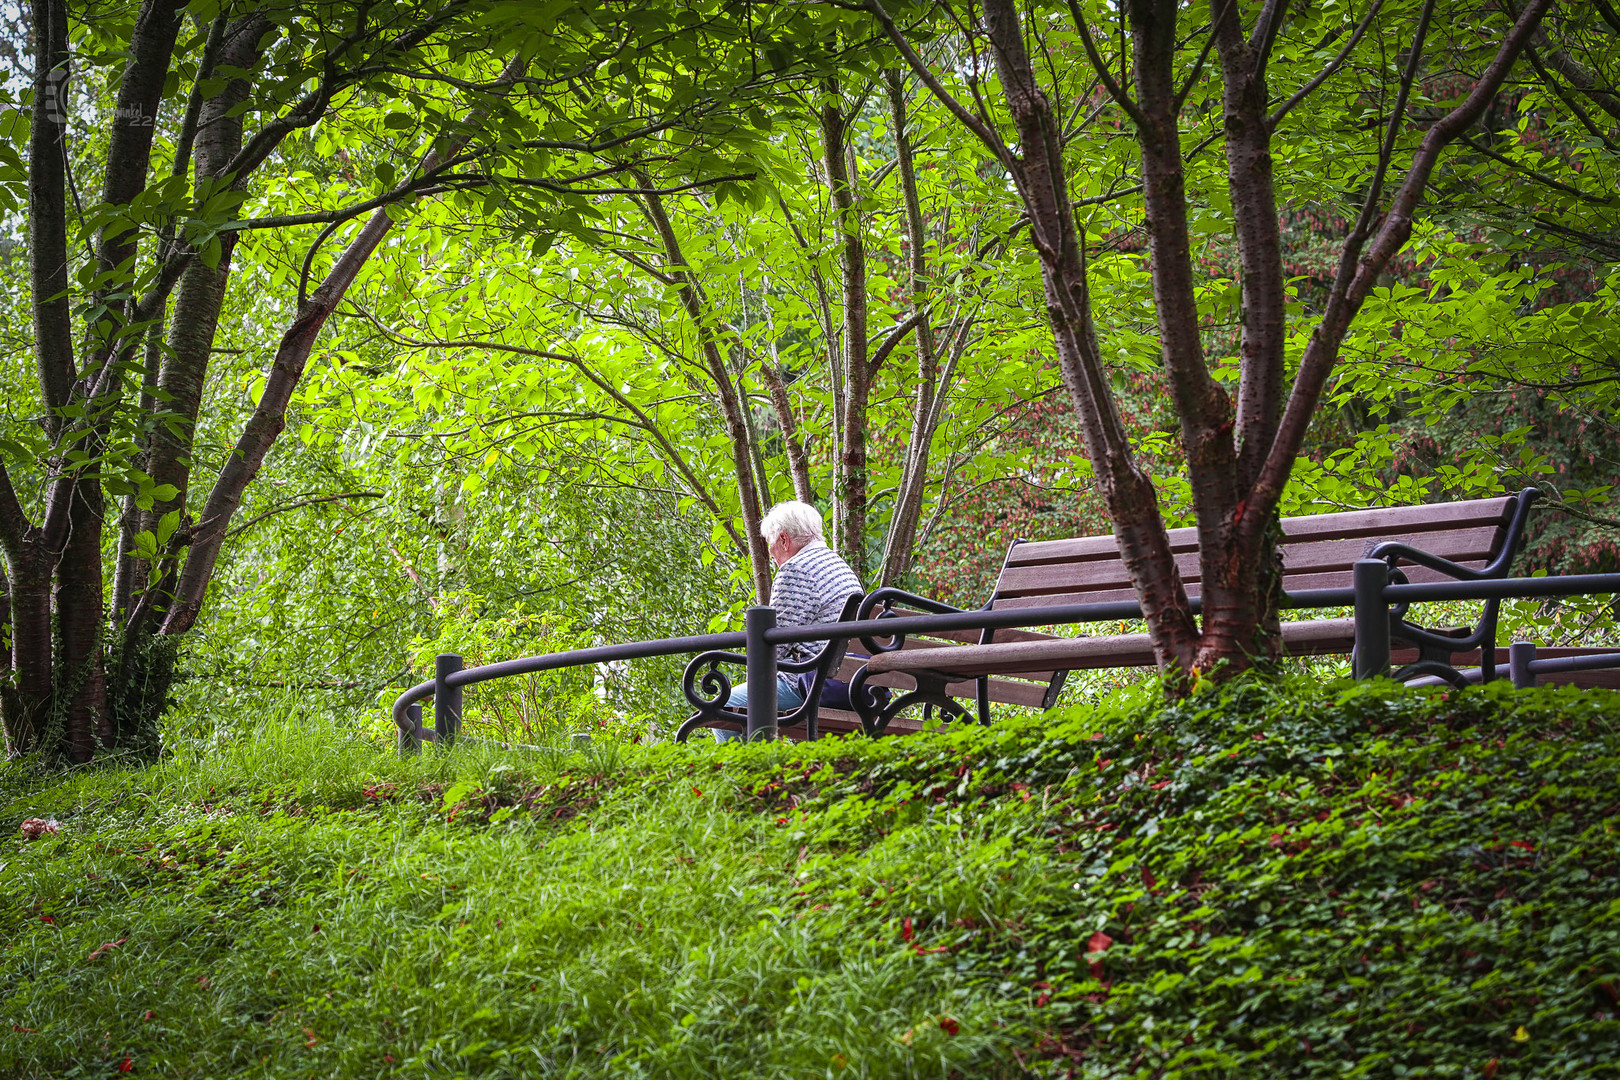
811 588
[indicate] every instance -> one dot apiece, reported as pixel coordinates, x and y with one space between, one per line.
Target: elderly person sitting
811 585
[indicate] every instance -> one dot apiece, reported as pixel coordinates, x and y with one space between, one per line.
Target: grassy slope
1274 881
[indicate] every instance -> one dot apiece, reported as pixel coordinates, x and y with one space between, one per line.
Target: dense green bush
1268 880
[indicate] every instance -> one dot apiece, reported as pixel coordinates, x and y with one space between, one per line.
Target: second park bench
1447 541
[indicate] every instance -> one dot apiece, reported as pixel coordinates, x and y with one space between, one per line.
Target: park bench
707 687
1380 560
1448 541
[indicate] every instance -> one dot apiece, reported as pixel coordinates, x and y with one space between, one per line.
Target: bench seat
1319 637
1435 542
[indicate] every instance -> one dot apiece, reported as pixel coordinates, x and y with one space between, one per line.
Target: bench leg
930 693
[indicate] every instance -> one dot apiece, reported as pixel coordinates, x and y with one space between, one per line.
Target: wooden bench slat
1312 637
1292 583
1458 545
1349 525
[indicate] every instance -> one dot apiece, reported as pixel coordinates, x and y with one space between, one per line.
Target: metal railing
1372 596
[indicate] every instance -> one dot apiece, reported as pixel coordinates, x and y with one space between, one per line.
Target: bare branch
250 522
1333 65
1114 89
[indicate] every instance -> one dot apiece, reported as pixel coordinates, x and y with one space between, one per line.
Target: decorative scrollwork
706 687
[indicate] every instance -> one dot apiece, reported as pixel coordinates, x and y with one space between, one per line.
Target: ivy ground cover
1270 880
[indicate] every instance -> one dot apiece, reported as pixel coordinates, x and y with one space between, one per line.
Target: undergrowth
1268 880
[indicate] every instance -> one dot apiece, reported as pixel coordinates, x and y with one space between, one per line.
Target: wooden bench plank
1314 637
1345 525
1291 583
1457 545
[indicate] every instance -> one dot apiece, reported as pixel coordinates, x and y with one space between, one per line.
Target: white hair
800 521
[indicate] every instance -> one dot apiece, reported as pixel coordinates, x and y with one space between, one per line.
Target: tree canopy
337 327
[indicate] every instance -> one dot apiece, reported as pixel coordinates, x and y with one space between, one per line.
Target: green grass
1266 881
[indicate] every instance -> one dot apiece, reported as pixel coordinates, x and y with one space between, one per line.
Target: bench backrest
1318 553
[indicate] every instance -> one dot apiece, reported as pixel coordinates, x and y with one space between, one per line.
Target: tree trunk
1126 489
850 478
731 406
269 417
900 547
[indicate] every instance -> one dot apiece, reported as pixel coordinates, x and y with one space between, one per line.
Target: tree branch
1355 279
250 522
1326 73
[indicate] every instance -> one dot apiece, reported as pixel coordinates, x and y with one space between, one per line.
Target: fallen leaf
908 1035
313 1038
1489 1071
127 1065
35 827
1098 945
950 1026
104 948
1521 1035
906 933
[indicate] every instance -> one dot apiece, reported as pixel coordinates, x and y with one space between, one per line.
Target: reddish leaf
104 948
1489 1071
127 1065
950 1026
35 827
1097 946
905 929
313 1038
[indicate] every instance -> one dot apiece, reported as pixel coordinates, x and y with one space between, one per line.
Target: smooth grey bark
900 544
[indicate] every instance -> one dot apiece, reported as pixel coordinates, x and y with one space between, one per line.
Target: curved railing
1372 596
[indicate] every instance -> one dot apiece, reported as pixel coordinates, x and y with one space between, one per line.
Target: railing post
1371 661
1520 656
446 699
761 673
411 741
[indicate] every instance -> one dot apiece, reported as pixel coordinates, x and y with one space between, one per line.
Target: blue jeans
788 698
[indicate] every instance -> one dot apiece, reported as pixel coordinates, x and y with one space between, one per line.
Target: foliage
1286 879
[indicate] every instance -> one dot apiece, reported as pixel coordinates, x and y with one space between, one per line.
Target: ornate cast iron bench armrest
707 688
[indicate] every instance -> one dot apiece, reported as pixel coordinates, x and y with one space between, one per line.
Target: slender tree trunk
731 405
269 417
900 549
775 381
1125 487
850 483
47 213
